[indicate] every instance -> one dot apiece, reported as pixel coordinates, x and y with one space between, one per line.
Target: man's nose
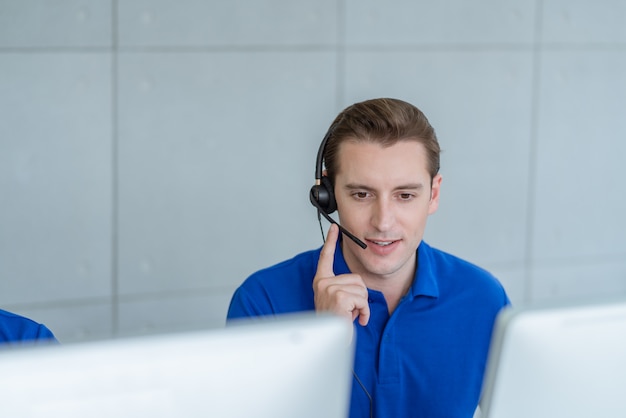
383 216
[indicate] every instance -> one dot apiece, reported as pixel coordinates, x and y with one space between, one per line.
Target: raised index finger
327 256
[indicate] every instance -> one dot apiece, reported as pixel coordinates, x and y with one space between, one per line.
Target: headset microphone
322 196
332 221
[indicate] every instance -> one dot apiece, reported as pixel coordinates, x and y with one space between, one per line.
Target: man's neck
394 289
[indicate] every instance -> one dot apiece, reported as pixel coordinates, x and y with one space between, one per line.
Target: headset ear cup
322 196
330 204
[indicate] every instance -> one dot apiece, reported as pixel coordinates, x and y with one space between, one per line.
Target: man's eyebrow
409 186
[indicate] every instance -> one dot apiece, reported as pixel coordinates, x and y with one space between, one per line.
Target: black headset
322 195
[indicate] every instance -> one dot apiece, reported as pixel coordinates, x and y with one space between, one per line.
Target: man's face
384 197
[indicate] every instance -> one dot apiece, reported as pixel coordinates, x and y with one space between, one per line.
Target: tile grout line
532 152
115 175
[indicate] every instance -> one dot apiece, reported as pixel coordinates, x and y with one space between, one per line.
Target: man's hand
344 295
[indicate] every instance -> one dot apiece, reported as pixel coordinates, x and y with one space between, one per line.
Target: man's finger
364 314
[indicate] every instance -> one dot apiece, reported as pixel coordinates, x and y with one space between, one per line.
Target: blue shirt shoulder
285 287
442 274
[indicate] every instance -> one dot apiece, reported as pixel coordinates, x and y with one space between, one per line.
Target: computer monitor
559 361
289 366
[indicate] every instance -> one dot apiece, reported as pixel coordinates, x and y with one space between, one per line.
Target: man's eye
360 195
406 196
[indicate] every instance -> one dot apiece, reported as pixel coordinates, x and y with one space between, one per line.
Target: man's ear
435 188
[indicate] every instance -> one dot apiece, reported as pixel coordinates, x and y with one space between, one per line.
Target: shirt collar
425 280
340 266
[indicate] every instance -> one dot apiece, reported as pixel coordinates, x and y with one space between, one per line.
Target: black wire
319 219
366 392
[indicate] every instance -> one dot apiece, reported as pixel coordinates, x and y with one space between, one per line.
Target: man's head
382 159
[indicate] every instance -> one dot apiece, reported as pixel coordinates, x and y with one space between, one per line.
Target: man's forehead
380 143
400 164
401 150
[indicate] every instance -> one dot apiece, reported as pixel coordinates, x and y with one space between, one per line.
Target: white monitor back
562 361
295 366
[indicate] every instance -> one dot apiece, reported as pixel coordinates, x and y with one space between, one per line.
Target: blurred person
16 329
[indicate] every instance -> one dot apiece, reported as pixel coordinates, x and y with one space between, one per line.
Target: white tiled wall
236 24
396 23
195 203
155 153
65 24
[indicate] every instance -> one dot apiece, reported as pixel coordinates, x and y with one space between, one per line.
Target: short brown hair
384 121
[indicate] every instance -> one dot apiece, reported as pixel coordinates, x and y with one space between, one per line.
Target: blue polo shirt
425 360
16 329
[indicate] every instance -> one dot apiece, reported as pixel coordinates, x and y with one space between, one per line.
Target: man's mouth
383 243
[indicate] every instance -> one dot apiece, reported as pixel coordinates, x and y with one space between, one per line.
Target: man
16 329
423 317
